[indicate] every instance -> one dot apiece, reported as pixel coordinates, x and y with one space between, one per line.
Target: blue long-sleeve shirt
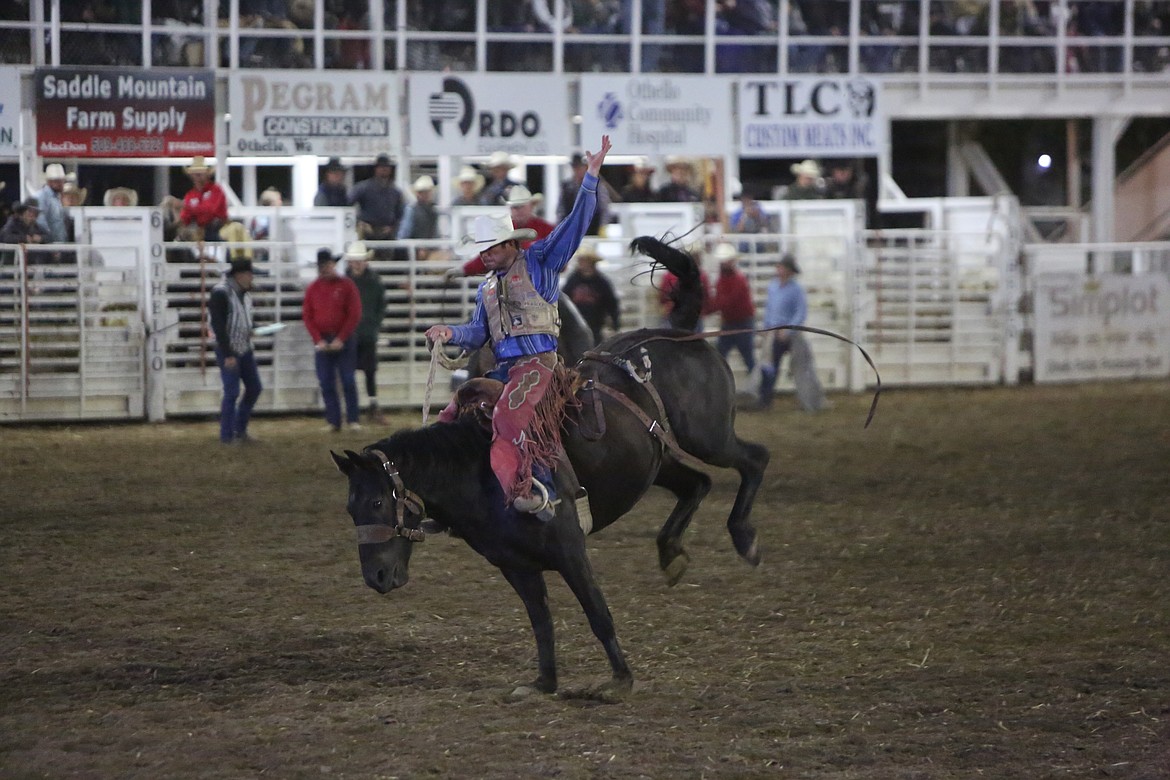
545 260
52 216
786 304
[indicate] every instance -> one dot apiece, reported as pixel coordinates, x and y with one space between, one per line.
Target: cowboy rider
516 310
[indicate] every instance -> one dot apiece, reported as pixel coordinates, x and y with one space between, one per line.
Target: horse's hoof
747 546
674 570
615 690
753 555
525 692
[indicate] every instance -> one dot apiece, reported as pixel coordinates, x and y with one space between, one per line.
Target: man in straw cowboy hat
372 293
808 185
422 217
205 204
230 311
679 189
499 164
469 182
52 210
516 312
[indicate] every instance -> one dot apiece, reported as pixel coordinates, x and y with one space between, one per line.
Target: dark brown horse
654 406
441 472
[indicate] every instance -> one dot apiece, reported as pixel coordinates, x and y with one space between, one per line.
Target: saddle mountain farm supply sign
1101 327
810 117
334 114
106 112
658 115
470 115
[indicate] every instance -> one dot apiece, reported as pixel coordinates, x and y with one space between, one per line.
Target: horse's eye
378 503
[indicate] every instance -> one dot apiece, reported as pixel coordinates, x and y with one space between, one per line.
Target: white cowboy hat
806 168
675 161
199 165
642 164
114 192
519 195
271 197
487 231
54 172
71 188
467 173
499 159
358 251
724 252
423 183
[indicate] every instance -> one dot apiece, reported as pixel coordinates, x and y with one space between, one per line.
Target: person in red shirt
733 302
205 204
331 311
668 297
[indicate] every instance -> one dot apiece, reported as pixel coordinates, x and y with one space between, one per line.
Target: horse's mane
432 455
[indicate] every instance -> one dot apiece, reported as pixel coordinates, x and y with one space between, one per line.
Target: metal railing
909 41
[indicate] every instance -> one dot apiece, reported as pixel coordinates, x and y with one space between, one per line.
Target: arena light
1044 161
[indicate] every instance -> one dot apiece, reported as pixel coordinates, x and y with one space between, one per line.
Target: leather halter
404 500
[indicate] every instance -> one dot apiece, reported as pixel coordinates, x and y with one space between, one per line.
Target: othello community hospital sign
100 112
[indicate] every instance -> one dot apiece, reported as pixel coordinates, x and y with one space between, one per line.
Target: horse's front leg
531 588
578 575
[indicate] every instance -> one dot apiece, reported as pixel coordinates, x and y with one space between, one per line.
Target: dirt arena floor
976 586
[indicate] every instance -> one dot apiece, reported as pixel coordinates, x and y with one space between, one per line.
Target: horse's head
387 517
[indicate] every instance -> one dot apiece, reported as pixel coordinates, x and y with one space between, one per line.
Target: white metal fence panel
71 336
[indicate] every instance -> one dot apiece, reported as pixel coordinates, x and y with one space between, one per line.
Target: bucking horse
647 407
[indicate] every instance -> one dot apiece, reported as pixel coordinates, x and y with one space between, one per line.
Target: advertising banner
333 114
810 116
9 112
658 115
473 115
1111 326
124 112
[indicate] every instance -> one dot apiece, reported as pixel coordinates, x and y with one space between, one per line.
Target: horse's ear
360 460
344 465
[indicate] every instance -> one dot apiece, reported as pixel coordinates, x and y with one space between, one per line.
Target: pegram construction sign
332 113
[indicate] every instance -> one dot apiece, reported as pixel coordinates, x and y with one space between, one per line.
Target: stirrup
532 504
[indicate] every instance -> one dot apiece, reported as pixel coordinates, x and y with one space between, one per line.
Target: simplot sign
1111 326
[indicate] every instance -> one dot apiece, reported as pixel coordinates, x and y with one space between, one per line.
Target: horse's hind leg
749 460
690 487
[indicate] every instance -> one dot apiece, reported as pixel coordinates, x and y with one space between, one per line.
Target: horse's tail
688 296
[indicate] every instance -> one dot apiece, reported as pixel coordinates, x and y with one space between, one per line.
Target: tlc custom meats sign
102 112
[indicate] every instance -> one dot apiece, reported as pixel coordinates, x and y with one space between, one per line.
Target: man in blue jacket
516 311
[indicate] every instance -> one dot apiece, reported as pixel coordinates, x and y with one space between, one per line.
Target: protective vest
515 308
